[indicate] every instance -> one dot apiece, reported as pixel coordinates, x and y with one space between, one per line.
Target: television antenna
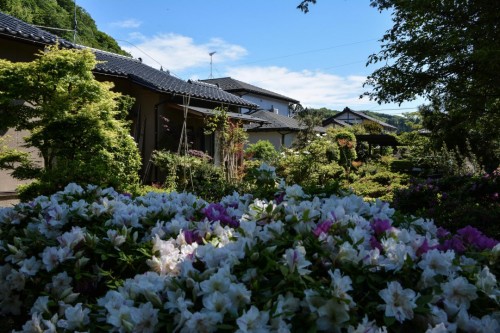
211 54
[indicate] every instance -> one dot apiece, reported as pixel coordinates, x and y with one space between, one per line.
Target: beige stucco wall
14 140
274 137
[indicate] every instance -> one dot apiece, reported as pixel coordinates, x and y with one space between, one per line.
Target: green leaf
389 321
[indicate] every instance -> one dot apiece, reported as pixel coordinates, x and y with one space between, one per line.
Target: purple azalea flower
279 198
322 227
485 243
192 236
380 226
455 243
374 243
424 248
217 212
442 232
470 234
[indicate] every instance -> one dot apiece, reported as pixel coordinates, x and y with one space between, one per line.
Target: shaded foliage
76 123
61 14
454 202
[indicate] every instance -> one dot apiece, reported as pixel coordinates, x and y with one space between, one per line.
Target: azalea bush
455 201
91 259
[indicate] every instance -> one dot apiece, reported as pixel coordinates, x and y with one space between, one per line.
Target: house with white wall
158 96
351 117
265 99
280 130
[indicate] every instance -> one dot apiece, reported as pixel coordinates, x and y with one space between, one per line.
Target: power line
41 26
126 41
310 51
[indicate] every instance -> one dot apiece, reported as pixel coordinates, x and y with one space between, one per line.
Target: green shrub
262 150
194 174
314 165
78 125
380 185
403 166
454 202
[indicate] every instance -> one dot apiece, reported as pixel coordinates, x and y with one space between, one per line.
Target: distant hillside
401 123
60 14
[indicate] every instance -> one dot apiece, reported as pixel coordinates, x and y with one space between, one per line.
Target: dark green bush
455 202
194 174
262 150
380 185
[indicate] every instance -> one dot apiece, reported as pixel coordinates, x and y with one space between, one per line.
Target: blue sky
318 58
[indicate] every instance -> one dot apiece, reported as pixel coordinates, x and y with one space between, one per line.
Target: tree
308 119
449 53
60 14
76 123
230 138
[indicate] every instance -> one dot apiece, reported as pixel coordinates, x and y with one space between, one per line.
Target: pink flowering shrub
92 260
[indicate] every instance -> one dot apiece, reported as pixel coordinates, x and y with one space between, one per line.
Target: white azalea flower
287 305
15 280
115 237
435 262
217 302
296 260
341 285
30 266
487 282
439 328
144 318
366 327
41 305
73 189
331 316
253 321
459 291
71 238
204 321
219 282
50 258
396 254
399 302
294 191
239 295
76 317
347 253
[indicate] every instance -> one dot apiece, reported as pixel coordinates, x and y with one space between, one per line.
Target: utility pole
211 64
75 23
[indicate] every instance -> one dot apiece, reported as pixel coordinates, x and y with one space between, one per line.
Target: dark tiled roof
161 81
130 68
239 116
17 29
332 120
232 85
278 122
364 116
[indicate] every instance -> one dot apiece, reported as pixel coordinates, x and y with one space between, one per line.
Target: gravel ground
8 202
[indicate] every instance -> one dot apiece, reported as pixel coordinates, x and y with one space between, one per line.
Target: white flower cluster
90 259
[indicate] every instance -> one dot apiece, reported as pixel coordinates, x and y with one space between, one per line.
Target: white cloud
130 23
312 88
176 52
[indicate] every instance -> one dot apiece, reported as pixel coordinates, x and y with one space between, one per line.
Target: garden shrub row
91 259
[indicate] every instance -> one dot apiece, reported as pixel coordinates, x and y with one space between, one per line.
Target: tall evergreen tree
449 53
